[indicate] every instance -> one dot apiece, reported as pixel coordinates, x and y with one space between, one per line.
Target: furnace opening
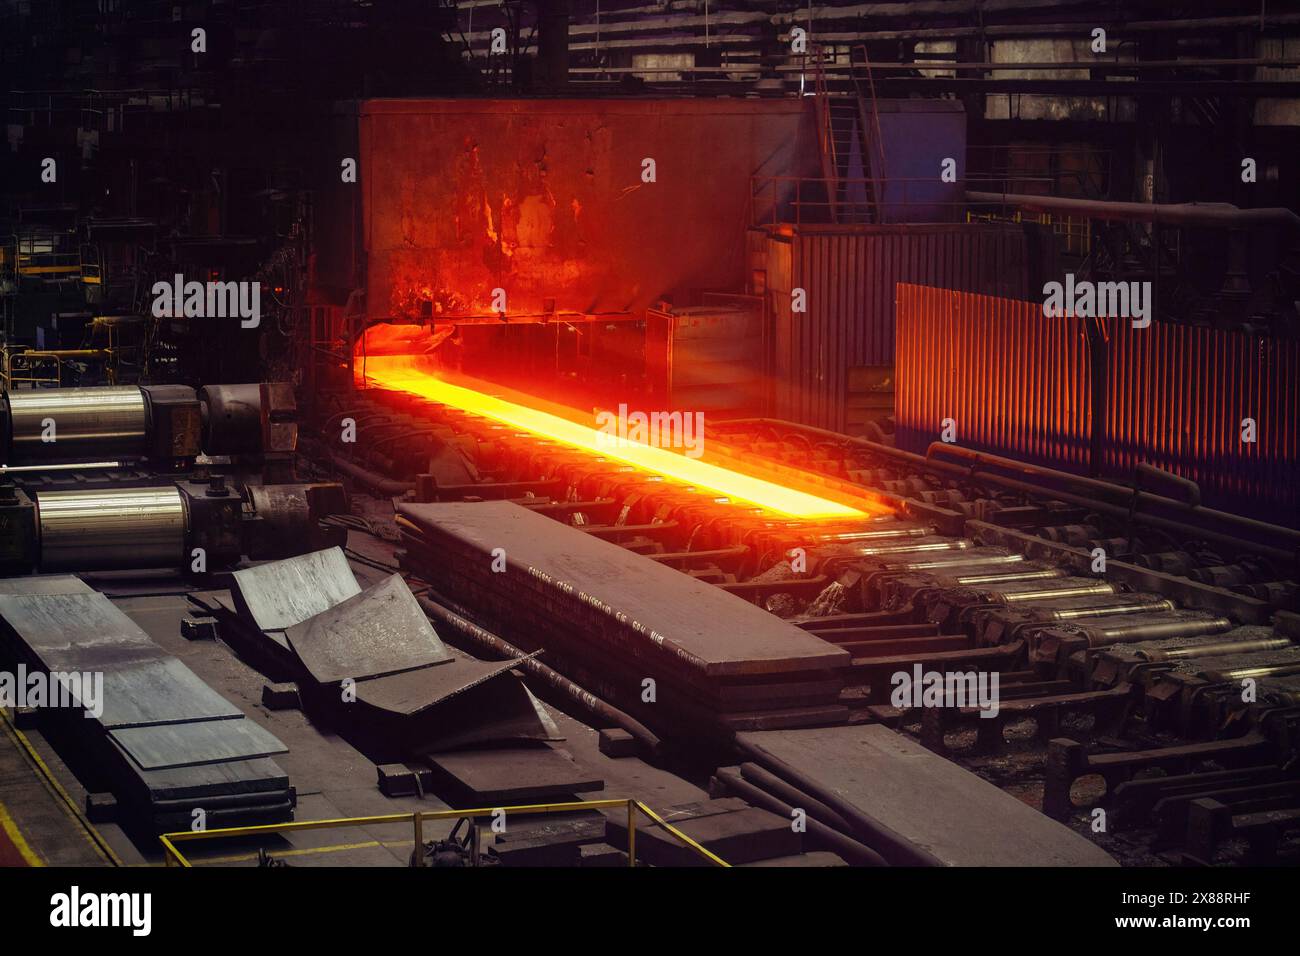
408 359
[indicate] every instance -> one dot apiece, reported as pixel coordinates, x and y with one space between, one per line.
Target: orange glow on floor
401 374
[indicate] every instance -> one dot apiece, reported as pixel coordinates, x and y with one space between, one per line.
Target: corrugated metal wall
1009 378
849 276
1021 384
1176 397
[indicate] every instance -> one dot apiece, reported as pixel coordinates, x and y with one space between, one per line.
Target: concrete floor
39 823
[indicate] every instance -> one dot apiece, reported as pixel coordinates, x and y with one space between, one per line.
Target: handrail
767 207
173 856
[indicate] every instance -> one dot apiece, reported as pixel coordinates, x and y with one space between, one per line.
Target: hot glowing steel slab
399 373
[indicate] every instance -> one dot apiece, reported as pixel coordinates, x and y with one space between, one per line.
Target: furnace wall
545 199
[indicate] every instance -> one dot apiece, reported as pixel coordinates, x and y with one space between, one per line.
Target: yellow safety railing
174 857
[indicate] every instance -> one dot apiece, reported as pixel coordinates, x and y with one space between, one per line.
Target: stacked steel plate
167 743
629 629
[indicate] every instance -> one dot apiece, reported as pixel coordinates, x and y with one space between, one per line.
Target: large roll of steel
112 528
87 424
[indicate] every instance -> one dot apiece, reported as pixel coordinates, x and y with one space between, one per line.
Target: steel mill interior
649 433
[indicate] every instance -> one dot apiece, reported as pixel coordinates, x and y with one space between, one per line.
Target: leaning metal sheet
413 691
279 594
380 631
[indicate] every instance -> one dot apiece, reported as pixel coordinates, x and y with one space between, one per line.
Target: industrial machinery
191 526
155 476
165 426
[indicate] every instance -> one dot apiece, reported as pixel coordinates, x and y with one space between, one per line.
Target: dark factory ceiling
607 25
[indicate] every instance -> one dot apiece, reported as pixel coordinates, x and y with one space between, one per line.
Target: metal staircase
849 140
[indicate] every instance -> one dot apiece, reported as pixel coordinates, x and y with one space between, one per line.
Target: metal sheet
915 135
515 774
849 278
709 358
161 692
76 631
258 775
173 725
380 631
496 712
584 240
411 692
45 584
279 594
1008 377
1176 397
186 745
889 777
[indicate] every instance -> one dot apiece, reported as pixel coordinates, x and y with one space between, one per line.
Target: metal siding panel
850 279
1012 379
1182 393
1018 383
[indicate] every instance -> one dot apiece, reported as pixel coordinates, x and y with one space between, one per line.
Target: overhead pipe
1211 215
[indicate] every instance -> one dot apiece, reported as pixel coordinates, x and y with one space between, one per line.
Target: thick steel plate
380 631
185 745
280 594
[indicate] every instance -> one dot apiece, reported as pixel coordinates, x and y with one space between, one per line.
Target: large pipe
590 702
1212 215
891 845
374 481
848 848
784 791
